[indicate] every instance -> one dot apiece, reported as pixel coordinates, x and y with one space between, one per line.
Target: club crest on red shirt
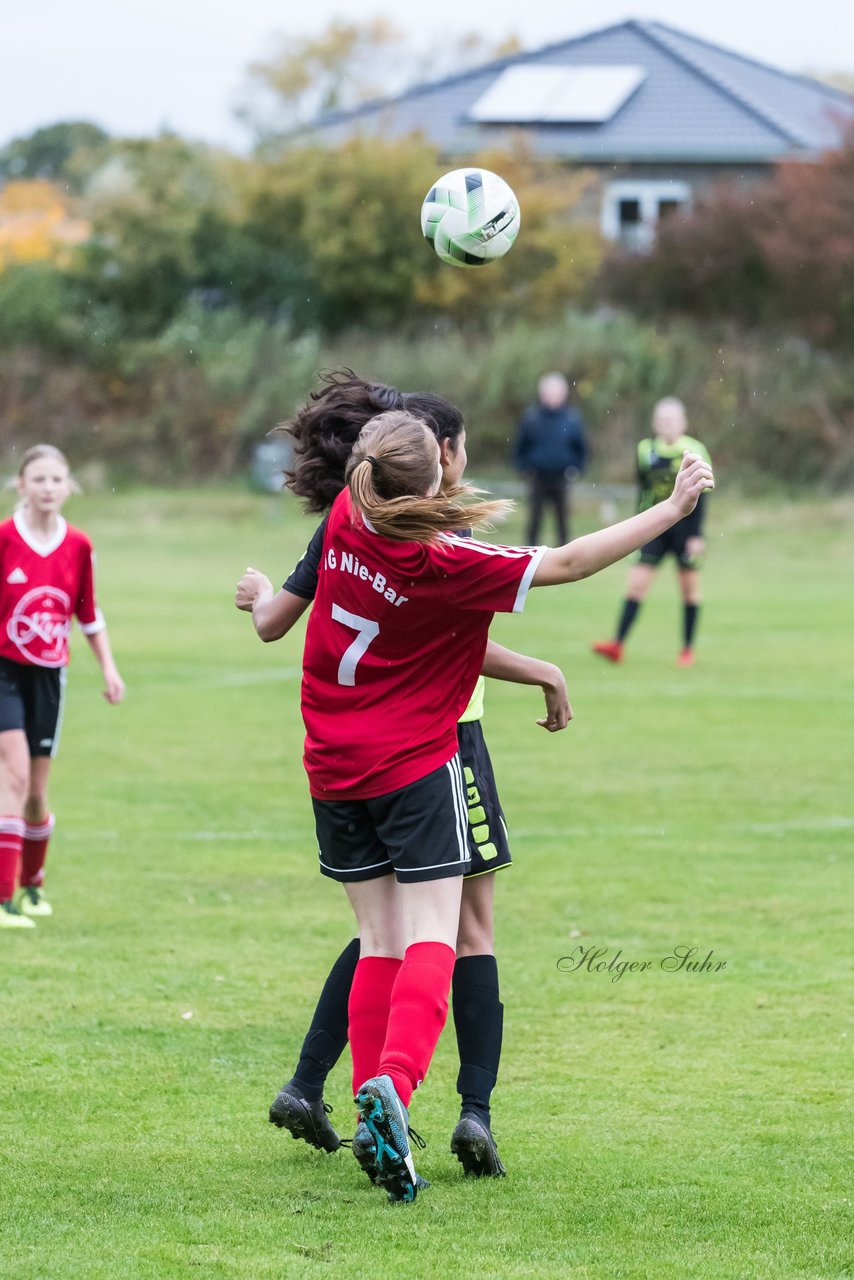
39 626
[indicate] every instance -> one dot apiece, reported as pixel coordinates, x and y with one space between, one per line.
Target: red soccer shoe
686 658
610 649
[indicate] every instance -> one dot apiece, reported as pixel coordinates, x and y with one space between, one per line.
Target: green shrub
778 254
189 402
37 305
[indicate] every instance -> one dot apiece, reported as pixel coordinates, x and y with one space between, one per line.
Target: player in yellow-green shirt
659 459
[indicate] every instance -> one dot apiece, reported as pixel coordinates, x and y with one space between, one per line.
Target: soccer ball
471 217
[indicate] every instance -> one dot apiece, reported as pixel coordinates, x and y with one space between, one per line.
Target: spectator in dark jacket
551 450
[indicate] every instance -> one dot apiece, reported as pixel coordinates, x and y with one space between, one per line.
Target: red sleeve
483 576
85 606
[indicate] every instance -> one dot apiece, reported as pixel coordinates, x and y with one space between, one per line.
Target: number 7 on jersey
367 630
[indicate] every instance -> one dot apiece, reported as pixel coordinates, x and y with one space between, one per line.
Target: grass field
664 1126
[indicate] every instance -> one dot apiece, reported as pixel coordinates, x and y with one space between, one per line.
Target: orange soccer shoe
610 649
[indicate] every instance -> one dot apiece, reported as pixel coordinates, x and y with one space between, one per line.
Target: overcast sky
136 65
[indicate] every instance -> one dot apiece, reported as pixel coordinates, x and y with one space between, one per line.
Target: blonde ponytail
393 476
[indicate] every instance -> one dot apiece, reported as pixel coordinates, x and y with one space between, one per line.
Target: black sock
327 1035
627 617
479 1021
689 623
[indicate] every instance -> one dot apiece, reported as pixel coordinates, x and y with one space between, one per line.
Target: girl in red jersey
393 649
324 432
45 578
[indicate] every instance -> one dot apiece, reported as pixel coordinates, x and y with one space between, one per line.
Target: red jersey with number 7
41 587
394 645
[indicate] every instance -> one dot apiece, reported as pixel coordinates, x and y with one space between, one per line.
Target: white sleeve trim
527 577
92 628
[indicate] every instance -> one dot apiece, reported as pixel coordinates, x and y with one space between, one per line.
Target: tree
553 263
308 75
781 252
35 223
38 305
146 205
62 153
809 245
350 218
347 64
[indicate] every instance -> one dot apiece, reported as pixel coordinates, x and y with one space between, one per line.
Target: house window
631 210
630 223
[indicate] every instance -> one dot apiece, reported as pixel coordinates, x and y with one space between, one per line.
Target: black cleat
474 1147
304 1119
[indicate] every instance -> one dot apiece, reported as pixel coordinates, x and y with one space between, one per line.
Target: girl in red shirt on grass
46 578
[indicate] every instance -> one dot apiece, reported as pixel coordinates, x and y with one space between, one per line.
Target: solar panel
557 95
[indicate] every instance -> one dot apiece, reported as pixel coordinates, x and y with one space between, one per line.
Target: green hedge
191 401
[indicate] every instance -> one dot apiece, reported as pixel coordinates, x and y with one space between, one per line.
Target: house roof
696 103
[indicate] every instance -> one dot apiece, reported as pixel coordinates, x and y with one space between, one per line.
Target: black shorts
31 699
487 829
418 831
672 542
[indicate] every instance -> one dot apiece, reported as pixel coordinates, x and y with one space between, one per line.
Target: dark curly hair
324 431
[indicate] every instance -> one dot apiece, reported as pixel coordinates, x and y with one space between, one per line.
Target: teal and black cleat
304 1119
386 1119
365 1150
474 1146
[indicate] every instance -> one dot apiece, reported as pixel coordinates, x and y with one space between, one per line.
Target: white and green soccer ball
471 217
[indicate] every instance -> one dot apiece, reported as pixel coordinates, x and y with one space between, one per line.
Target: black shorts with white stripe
419 832
31 699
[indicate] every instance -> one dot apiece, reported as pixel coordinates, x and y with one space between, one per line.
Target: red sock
370 998
35 850
11 839
419 1007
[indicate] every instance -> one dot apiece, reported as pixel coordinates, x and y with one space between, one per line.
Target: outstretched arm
272 614
586 556
503 664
